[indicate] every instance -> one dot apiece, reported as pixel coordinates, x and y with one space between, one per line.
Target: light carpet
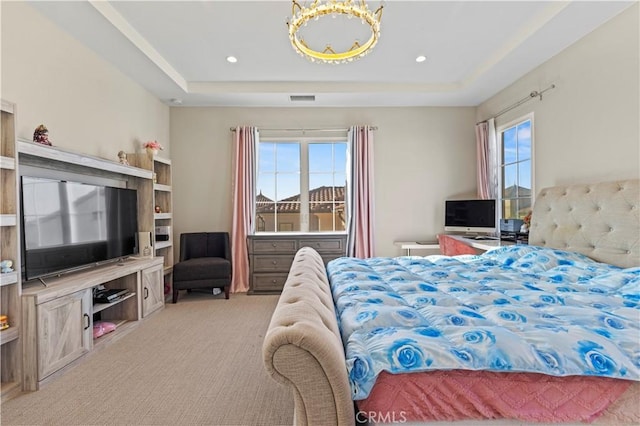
198 362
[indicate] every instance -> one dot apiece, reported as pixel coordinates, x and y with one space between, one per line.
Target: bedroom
595 79
427 150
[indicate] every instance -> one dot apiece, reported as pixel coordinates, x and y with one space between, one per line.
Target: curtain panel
244 194
360 200
487 159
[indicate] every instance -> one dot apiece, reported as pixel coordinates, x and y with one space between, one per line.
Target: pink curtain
360 198
487 157
482 147
244 194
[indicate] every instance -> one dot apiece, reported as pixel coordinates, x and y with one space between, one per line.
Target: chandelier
301 15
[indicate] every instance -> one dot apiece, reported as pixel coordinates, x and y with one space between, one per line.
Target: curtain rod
233 129
534 94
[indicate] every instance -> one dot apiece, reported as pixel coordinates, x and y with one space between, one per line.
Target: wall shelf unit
160 197
51 326
10 289
44 155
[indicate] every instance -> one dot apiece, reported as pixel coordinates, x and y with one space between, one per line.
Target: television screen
67 225
470 216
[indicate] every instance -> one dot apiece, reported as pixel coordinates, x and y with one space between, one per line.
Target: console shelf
59 317
99 307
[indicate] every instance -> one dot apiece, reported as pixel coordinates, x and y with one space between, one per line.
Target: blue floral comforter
517 308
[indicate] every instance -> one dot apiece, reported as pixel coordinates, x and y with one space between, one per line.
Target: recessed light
232 59
421 58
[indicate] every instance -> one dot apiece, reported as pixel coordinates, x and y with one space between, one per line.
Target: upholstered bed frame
303 349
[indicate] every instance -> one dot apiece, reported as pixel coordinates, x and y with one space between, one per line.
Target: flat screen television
71 225
470 216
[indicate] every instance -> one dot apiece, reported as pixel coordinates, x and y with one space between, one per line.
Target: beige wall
422 156
587 129
87 104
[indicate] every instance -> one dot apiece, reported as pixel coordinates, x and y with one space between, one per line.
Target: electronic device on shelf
162 233
70 225
109 295
470 216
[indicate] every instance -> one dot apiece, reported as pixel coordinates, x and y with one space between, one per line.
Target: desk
458 244
412 245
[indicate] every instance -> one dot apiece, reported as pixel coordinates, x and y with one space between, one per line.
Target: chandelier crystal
302 15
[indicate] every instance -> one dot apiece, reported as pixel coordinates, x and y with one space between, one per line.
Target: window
516 168
301 186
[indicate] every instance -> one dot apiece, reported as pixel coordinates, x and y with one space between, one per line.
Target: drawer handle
275 262
274 245
274 281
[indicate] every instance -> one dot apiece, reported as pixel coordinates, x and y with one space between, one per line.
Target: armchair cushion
202 268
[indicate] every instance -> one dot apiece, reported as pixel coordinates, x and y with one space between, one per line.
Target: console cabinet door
152 289
65 331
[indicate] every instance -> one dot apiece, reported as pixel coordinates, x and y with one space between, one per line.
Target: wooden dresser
270 256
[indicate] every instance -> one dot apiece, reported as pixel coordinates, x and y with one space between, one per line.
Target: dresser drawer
268 282
325 245
275 262
274 246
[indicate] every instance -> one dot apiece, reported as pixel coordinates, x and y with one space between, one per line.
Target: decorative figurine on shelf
158 209
152 148
41 135
122 157
6 266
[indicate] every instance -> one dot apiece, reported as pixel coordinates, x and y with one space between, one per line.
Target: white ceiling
178 49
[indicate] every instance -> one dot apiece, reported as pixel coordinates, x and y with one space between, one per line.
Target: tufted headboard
600 220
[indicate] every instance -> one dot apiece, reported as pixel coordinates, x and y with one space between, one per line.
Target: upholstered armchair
205 262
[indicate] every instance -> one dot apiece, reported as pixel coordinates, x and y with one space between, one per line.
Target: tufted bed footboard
303 348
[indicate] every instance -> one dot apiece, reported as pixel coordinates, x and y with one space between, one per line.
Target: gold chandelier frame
301 15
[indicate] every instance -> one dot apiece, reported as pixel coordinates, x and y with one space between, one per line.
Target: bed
571 296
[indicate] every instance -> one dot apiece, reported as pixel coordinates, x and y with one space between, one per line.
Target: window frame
304 142
500 130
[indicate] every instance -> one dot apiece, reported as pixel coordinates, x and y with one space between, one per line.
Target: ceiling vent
302 98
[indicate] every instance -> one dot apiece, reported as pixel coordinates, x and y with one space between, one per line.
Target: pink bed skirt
458 395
